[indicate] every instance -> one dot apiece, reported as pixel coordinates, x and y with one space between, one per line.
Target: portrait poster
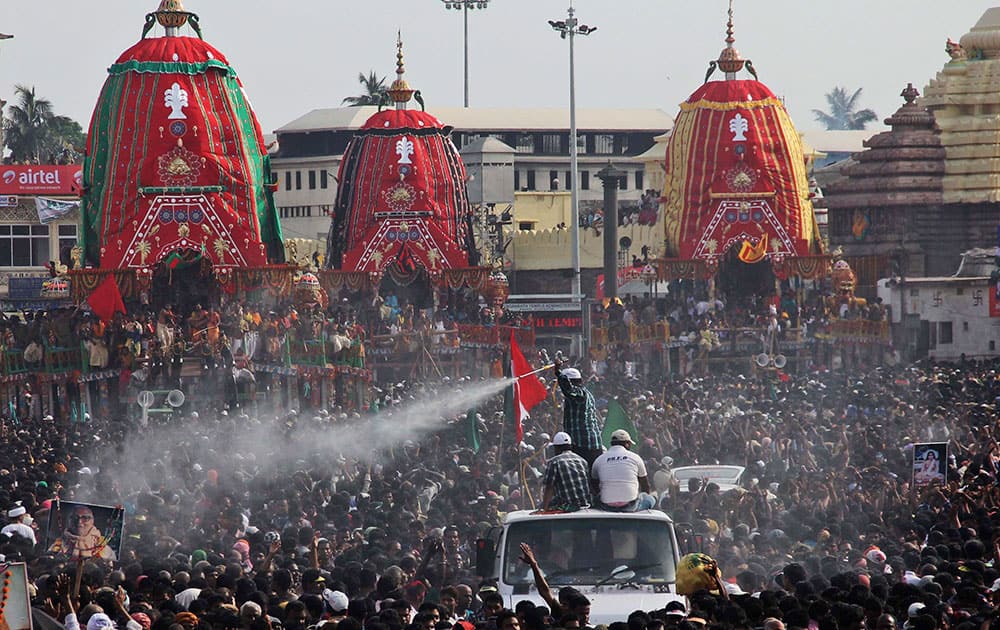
15 613
930 464
82 530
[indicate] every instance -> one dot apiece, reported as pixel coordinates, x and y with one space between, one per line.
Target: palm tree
26 125
842 114
374 90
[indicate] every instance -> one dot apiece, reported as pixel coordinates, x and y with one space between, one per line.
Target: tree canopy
374 89
843 112
35 133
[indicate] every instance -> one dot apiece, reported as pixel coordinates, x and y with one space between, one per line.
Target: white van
621 561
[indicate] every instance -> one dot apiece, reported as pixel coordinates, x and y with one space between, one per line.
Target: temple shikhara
736 191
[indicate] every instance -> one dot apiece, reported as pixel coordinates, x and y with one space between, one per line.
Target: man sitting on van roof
566 479
622 475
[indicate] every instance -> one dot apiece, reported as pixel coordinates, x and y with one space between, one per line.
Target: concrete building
29 194
311 148
26 247
945 317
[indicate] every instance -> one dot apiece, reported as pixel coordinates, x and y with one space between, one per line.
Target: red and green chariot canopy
176 162
402 198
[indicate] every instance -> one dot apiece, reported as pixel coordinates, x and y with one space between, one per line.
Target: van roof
590 513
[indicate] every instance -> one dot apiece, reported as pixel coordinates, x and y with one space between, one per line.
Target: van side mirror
485 557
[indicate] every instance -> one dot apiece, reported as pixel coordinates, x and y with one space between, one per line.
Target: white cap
572 373
621 435
915 609
14 512
561 439
336 600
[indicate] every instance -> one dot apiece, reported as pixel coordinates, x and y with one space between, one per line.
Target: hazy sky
297 55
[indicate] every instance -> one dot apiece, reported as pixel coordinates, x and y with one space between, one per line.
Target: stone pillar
292 392
610 176
47 400
85 403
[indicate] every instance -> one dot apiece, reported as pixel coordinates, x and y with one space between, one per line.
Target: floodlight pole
570 28
466 6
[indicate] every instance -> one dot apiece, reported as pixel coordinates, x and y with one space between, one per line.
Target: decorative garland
332 280
84 281
403 277
7 575
805 267
474 278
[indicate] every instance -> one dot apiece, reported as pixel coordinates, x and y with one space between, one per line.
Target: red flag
106 299
528 388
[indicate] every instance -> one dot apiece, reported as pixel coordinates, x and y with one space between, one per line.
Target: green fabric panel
259 164
272 227
130 81
170 67
96 165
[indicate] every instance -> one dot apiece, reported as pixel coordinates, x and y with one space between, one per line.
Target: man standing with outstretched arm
579 413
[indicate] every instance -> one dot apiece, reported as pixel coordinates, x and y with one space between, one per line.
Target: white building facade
945 318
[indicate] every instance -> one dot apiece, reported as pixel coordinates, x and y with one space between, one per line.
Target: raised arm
528 557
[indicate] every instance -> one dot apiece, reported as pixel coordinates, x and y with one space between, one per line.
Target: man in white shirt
20 523
622 477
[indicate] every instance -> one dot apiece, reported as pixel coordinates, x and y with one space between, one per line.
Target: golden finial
171 14
730 40
400 68
730 60
400 91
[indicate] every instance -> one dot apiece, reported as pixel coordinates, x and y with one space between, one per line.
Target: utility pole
569 29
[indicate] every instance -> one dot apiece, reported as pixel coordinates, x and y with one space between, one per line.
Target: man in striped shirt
566 479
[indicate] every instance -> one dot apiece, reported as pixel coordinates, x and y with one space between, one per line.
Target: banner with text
41 179
51 209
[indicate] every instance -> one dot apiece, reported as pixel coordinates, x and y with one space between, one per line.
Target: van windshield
587 551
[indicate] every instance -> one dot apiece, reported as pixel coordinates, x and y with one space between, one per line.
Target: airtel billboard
41 179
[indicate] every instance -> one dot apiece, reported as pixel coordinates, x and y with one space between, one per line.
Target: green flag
616 419
472 430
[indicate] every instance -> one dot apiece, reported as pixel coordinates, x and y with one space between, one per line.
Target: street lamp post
570 28
465 6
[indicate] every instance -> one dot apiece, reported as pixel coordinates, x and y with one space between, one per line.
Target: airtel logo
33 176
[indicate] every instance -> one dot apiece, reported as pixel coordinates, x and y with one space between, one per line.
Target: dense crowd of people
159 339
238 521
